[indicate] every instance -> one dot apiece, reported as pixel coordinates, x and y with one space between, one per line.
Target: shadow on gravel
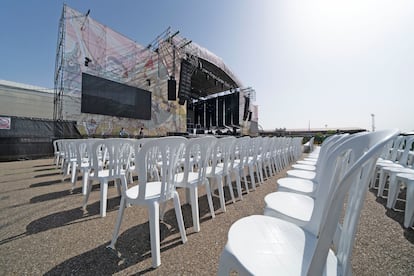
50 168
46 183
55 195
48 174
45 165
132 247
396 213
60 219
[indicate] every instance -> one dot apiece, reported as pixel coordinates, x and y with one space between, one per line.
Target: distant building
23 100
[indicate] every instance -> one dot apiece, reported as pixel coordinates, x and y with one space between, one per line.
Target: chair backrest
327 144
112 155
56 145
354 182
396 146
197 153
69 149
254 147
342 154
221 153
165 152
239 151
408 144
84 150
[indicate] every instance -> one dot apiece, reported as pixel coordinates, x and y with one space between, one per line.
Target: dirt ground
43 230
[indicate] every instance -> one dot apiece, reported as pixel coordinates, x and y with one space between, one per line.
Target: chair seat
396 169
193 179
307 162
304 167
219 170
270 246
295 207
302 174
105 174
299 185
152 191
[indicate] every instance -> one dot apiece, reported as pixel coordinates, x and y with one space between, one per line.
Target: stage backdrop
92 48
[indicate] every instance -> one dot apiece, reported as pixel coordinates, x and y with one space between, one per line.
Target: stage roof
212 75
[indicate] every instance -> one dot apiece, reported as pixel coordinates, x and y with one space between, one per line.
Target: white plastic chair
262 245
194 175
408 180
394 184
58 151
110 162
314 157
83 162
304 210
309 183
68 157
389 169
312 175
252 161
238 159
390 160
151 193
219 168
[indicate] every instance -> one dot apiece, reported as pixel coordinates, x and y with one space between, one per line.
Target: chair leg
187 196
393 190
118 186
381 183
260 174
68 168
131 177
122 207
194 208
179 215
409 205
251 172
246 185
74 174
228 180
265 170
238 184
88 192
154 221
104 196
163 207
209 199
85 178
221 193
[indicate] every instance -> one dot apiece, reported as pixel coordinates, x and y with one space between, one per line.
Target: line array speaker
172 95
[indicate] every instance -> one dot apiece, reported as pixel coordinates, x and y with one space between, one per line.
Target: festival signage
5 122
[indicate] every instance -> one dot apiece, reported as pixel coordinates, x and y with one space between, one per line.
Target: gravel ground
44 231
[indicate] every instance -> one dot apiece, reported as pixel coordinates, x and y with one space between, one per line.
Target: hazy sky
319 63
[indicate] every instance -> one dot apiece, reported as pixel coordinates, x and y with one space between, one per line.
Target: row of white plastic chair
199 161
301 231
277 153
395 170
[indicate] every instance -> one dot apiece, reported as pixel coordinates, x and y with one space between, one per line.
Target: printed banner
5 122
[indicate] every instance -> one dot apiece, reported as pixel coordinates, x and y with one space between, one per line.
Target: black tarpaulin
29 138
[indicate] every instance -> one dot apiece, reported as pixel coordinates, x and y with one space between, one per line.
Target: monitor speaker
171 90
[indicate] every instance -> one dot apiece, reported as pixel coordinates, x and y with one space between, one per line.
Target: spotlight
87 60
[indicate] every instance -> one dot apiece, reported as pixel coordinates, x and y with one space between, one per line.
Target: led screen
106 97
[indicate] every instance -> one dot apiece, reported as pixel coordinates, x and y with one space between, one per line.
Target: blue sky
319 63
